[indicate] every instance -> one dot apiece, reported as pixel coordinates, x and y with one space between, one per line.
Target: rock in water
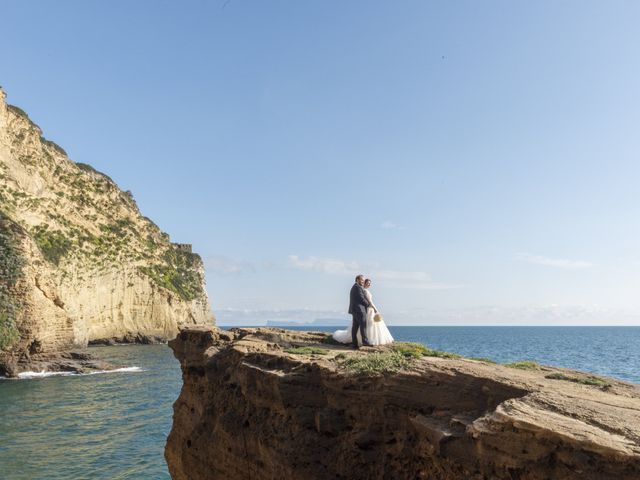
78 261
276 404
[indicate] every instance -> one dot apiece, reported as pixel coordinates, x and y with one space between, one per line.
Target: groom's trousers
359 322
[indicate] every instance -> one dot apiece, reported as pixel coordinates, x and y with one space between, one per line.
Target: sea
114 425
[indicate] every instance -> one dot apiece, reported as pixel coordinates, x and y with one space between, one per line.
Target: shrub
119 228
9 333
53 245
179 274
53 145
11 264
18 111
88 168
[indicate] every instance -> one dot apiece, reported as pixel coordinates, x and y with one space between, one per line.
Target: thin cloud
227 266
324 265
387 225
390 278
420 285
395 275
552 262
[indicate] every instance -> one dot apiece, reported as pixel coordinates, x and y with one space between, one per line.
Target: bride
377 331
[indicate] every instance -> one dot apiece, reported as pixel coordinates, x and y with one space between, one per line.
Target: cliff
278 404
78 261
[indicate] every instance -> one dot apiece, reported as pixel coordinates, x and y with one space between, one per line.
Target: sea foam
45 374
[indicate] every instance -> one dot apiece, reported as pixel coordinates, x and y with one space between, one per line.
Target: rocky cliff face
256 405
78 262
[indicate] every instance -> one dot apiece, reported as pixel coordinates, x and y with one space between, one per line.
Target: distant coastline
320 322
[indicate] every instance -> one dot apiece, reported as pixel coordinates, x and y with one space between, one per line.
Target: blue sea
114 425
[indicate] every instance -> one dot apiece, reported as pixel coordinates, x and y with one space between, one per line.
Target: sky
479 161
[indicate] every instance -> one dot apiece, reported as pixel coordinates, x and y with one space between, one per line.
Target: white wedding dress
377 332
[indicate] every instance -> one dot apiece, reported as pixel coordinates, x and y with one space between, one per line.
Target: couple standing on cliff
368 327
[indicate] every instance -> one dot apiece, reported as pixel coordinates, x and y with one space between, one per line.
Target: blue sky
479 160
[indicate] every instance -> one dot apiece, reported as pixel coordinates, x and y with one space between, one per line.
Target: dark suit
358 304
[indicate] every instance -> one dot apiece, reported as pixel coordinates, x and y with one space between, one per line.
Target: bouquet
377 317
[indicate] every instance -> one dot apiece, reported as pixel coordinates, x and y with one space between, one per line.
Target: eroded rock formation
251 410
78 261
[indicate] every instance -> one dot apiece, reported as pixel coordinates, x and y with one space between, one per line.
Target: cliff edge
275 404
78 261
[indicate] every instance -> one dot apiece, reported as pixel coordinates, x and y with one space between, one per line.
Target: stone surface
250 410
93 268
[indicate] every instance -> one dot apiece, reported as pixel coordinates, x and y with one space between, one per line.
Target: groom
358 304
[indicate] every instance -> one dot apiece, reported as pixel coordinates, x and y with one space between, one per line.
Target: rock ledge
250 410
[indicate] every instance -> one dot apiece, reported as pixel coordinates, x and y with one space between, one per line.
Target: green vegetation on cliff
11 264
53 245
91 266
88 168
179 273
82 221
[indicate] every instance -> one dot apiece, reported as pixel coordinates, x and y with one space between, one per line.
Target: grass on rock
483 359
376 363
591 380
417 350
525 365
306 351
403 353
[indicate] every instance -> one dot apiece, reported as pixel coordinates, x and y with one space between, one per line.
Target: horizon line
440 325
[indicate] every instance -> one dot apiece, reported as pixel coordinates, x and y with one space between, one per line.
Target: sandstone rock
248 409
92 268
